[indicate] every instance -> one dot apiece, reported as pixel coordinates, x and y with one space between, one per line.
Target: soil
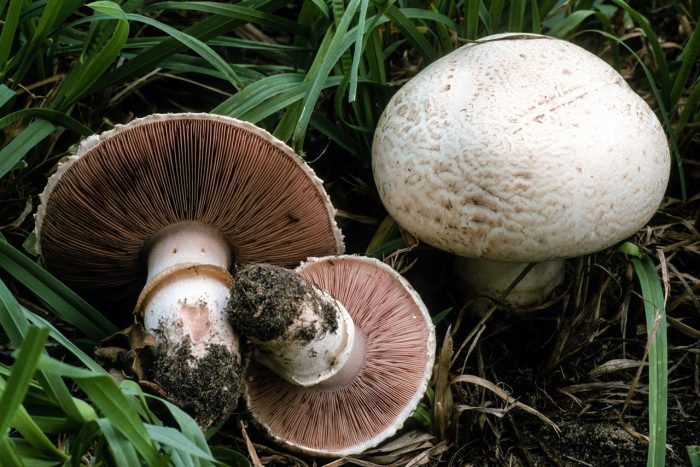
266 300
208 388
587 441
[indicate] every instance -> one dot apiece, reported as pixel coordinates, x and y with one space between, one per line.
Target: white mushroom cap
520 148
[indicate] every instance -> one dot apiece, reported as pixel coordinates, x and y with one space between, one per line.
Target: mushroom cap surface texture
102 205
519 148
400 349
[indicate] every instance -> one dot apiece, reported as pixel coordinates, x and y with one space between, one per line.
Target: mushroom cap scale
520 148
123 186
400 349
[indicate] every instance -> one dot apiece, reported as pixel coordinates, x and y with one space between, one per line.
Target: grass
318 75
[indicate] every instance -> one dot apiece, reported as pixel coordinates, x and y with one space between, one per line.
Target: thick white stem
329 358
189 301
487 280
187 243
188 288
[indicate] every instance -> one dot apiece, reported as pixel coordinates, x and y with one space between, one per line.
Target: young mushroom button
173 201
344 350
519 148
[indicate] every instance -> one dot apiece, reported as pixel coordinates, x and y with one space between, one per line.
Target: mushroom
172 201
344 350
519 148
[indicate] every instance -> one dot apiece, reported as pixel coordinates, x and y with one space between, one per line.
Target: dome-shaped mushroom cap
399 340
520 148
102 206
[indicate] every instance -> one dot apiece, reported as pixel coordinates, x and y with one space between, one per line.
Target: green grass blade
12 321
83 440
691 104
563 27
403 23
123 452
328 60
81 77
536 18
602 17
546 6
196 45
171 437
516 15
16 387
689 59
471 19
56 335
29 456
496 14
257 93
8 453
6 94
657 51
59 118
357 55
30 430
53 13
54 425
283 100
59 393
16 327
248 15
105 394
338 9
188 427
203 30
9 28
427 15
654 307
181 64
59 298
278 51
16 149
331 130
230 457
693 455
375 58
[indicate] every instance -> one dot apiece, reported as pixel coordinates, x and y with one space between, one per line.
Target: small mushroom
519 148
344 350
172 201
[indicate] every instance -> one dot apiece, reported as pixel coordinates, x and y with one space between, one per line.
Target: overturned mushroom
172 201
519 148
344 351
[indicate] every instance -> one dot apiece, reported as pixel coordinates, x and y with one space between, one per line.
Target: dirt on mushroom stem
208 387
265 302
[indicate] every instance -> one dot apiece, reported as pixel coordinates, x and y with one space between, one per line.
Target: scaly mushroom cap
103 205
519 148
400 348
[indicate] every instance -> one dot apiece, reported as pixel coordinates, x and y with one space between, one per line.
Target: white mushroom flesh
188 288
319 360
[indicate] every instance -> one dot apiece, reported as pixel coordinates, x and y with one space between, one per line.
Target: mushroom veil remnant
519 148
151 216
344 349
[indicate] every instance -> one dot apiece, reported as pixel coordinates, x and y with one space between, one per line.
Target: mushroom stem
188 287
183 305
186 243
299 330
188 302
487 280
